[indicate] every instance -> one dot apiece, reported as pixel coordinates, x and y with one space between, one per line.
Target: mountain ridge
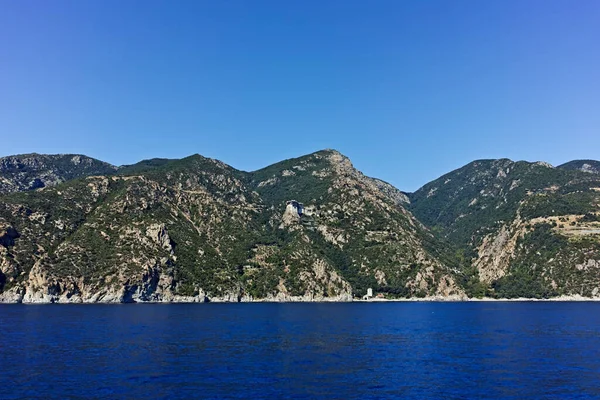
528 229
151 163
591 166
197 229
306 228
34 171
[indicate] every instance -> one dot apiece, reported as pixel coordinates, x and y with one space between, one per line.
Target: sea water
407 350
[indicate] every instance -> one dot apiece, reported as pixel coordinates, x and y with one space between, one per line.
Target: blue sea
477 350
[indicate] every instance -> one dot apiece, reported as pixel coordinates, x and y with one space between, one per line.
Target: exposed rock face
34 171
360 221
589 166
198 230
391 192
495 253
291 215
158 233
526 225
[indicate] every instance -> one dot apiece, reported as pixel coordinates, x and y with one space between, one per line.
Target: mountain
196 229
591 166
528 229
144 166
34 171
308 228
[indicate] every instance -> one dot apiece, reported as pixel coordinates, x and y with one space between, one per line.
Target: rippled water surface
360 350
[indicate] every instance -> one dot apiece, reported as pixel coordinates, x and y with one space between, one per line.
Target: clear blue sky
408 90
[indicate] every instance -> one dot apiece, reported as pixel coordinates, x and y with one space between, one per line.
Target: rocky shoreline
18 298
482 299
124 297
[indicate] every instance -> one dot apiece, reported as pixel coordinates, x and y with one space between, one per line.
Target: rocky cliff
528 229
591 166
74 229
197 229
34 171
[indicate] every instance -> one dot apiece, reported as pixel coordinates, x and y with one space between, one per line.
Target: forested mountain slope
34 171
197 229
529 229
591 166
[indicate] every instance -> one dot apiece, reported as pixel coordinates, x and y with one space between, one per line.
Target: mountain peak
333 151
590 166
33 171
544 164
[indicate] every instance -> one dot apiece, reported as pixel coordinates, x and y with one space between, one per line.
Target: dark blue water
381 350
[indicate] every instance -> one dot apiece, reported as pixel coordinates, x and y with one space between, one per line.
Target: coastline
195 300
573 298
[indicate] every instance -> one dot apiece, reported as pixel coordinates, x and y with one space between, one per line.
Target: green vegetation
526 274
554 204
34 171
594 166
479 199
303 185
197 224
144 166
